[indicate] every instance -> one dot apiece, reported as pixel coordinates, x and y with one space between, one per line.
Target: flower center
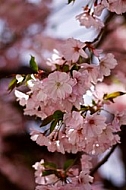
58 84
91 122
76 49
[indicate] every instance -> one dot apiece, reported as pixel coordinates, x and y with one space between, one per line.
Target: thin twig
105 159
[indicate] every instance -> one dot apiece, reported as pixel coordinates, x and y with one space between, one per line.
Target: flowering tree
76 117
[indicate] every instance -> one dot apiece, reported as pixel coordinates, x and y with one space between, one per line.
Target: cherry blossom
58 85
83 82
22 97
39 138
93 72
84 181
76 137
118 6
98 9
94 124
119 119
107 139
86 164
56 59
88 20
73 119
39 168
81 181
72 49
106 63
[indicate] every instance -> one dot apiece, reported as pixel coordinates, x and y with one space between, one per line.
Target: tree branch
105 159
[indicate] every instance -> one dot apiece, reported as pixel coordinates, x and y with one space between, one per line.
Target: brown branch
105 159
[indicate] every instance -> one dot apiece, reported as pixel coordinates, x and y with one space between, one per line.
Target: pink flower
34 107
73 99
40 179
84 181
83 83
98 9
21 97
73 120
76 137
38 173
68 147
106 139
58 85
72 49
39 138
118 6
119 119
86 164
88 20
93 71
94 125
106 64
123 118
56 59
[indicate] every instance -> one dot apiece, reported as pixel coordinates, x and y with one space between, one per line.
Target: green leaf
53 124
69 1
33 64
113 95
68 164
85 108
12 84
27 78
75 67
58 115
66 68
48 172
49 165
47 120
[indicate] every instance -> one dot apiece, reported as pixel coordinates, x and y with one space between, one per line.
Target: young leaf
66 68
68 164
48 172
33 64
113 95
58 115
27 78
47 120
12 84
49 165
75 67
53 124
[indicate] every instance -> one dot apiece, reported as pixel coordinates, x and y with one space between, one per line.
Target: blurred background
36 27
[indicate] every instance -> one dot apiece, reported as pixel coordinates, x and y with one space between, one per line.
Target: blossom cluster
90 17
69 123
63 179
